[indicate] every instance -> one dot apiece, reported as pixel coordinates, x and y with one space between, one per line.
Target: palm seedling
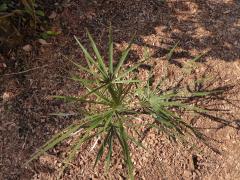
111 90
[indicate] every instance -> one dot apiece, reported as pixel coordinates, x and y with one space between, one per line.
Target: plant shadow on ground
213 103
207 26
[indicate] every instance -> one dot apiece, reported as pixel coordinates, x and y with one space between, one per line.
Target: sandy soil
199 25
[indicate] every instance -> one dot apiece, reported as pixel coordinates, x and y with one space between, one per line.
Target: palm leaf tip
110 49
124 56
97 53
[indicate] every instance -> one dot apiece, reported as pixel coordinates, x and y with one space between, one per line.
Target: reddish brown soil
199 25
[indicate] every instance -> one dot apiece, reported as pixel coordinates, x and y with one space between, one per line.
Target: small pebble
27 48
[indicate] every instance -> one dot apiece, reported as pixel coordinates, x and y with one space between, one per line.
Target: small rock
3 65
187 173
43 42
6 96
52 15
1 58
27 48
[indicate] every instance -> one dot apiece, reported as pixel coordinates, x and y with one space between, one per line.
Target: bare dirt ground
199 25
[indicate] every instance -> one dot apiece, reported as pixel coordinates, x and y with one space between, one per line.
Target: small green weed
111 90
18 18
21 9
47 34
